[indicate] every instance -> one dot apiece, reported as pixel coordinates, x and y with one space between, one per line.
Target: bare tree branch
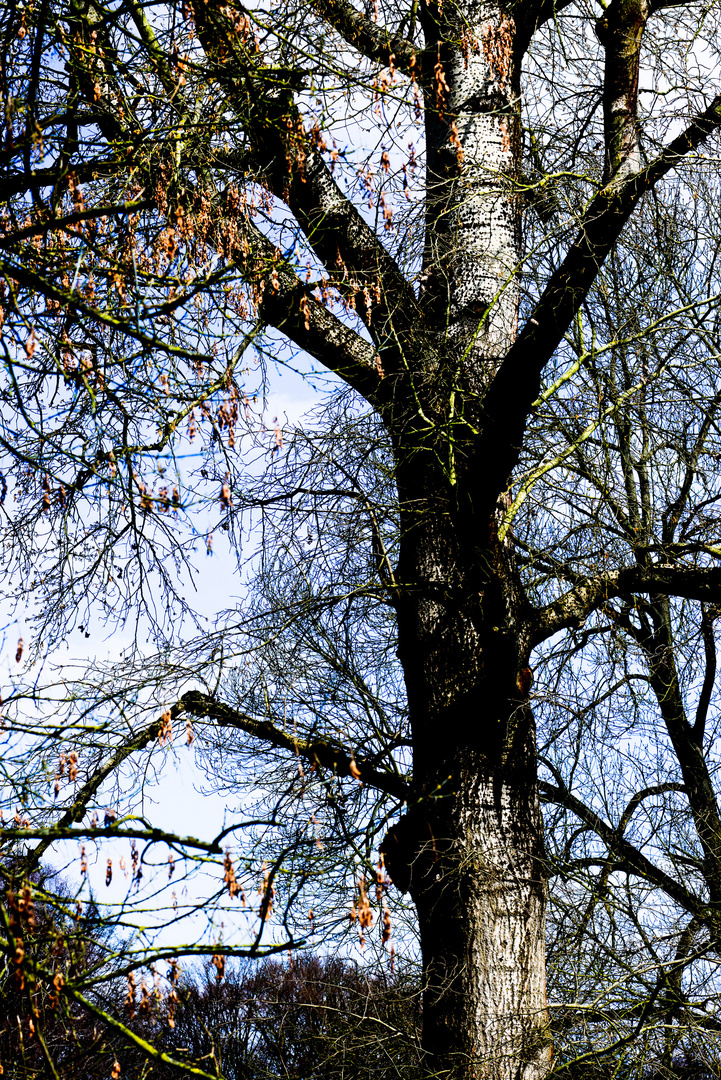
633 860
322 752
293 165
373 41
516 385
573 607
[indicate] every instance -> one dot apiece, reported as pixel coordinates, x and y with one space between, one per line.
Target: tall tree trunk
477 882
470 849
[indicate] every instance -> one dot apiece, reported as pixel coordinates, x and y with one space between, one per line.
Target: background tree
52 940
314 1017
181 190
630 748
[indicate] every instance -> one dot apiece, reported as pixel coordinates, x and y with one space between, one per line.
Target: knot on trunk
413 850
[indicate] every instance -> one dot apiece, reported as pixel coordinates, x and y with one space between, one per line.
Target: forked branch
517 384
574 606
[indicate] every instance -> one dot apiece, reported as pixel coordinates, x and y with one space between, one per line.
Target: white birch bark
473 245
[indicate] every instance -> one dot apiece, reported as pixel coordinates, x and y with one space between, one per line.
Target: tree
320 1018
40 1032
170 172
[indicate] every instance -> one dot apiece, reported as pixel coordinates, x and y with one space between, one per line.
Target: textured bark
469 849
472 214
480 897
470 854
476 878
620 31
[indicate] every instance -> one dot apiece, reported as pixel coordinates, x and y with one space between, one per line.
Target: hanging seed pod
386 934
130 996
165 735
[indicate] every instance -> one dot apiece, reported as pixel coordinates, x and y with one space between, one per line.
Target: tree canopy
468 680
